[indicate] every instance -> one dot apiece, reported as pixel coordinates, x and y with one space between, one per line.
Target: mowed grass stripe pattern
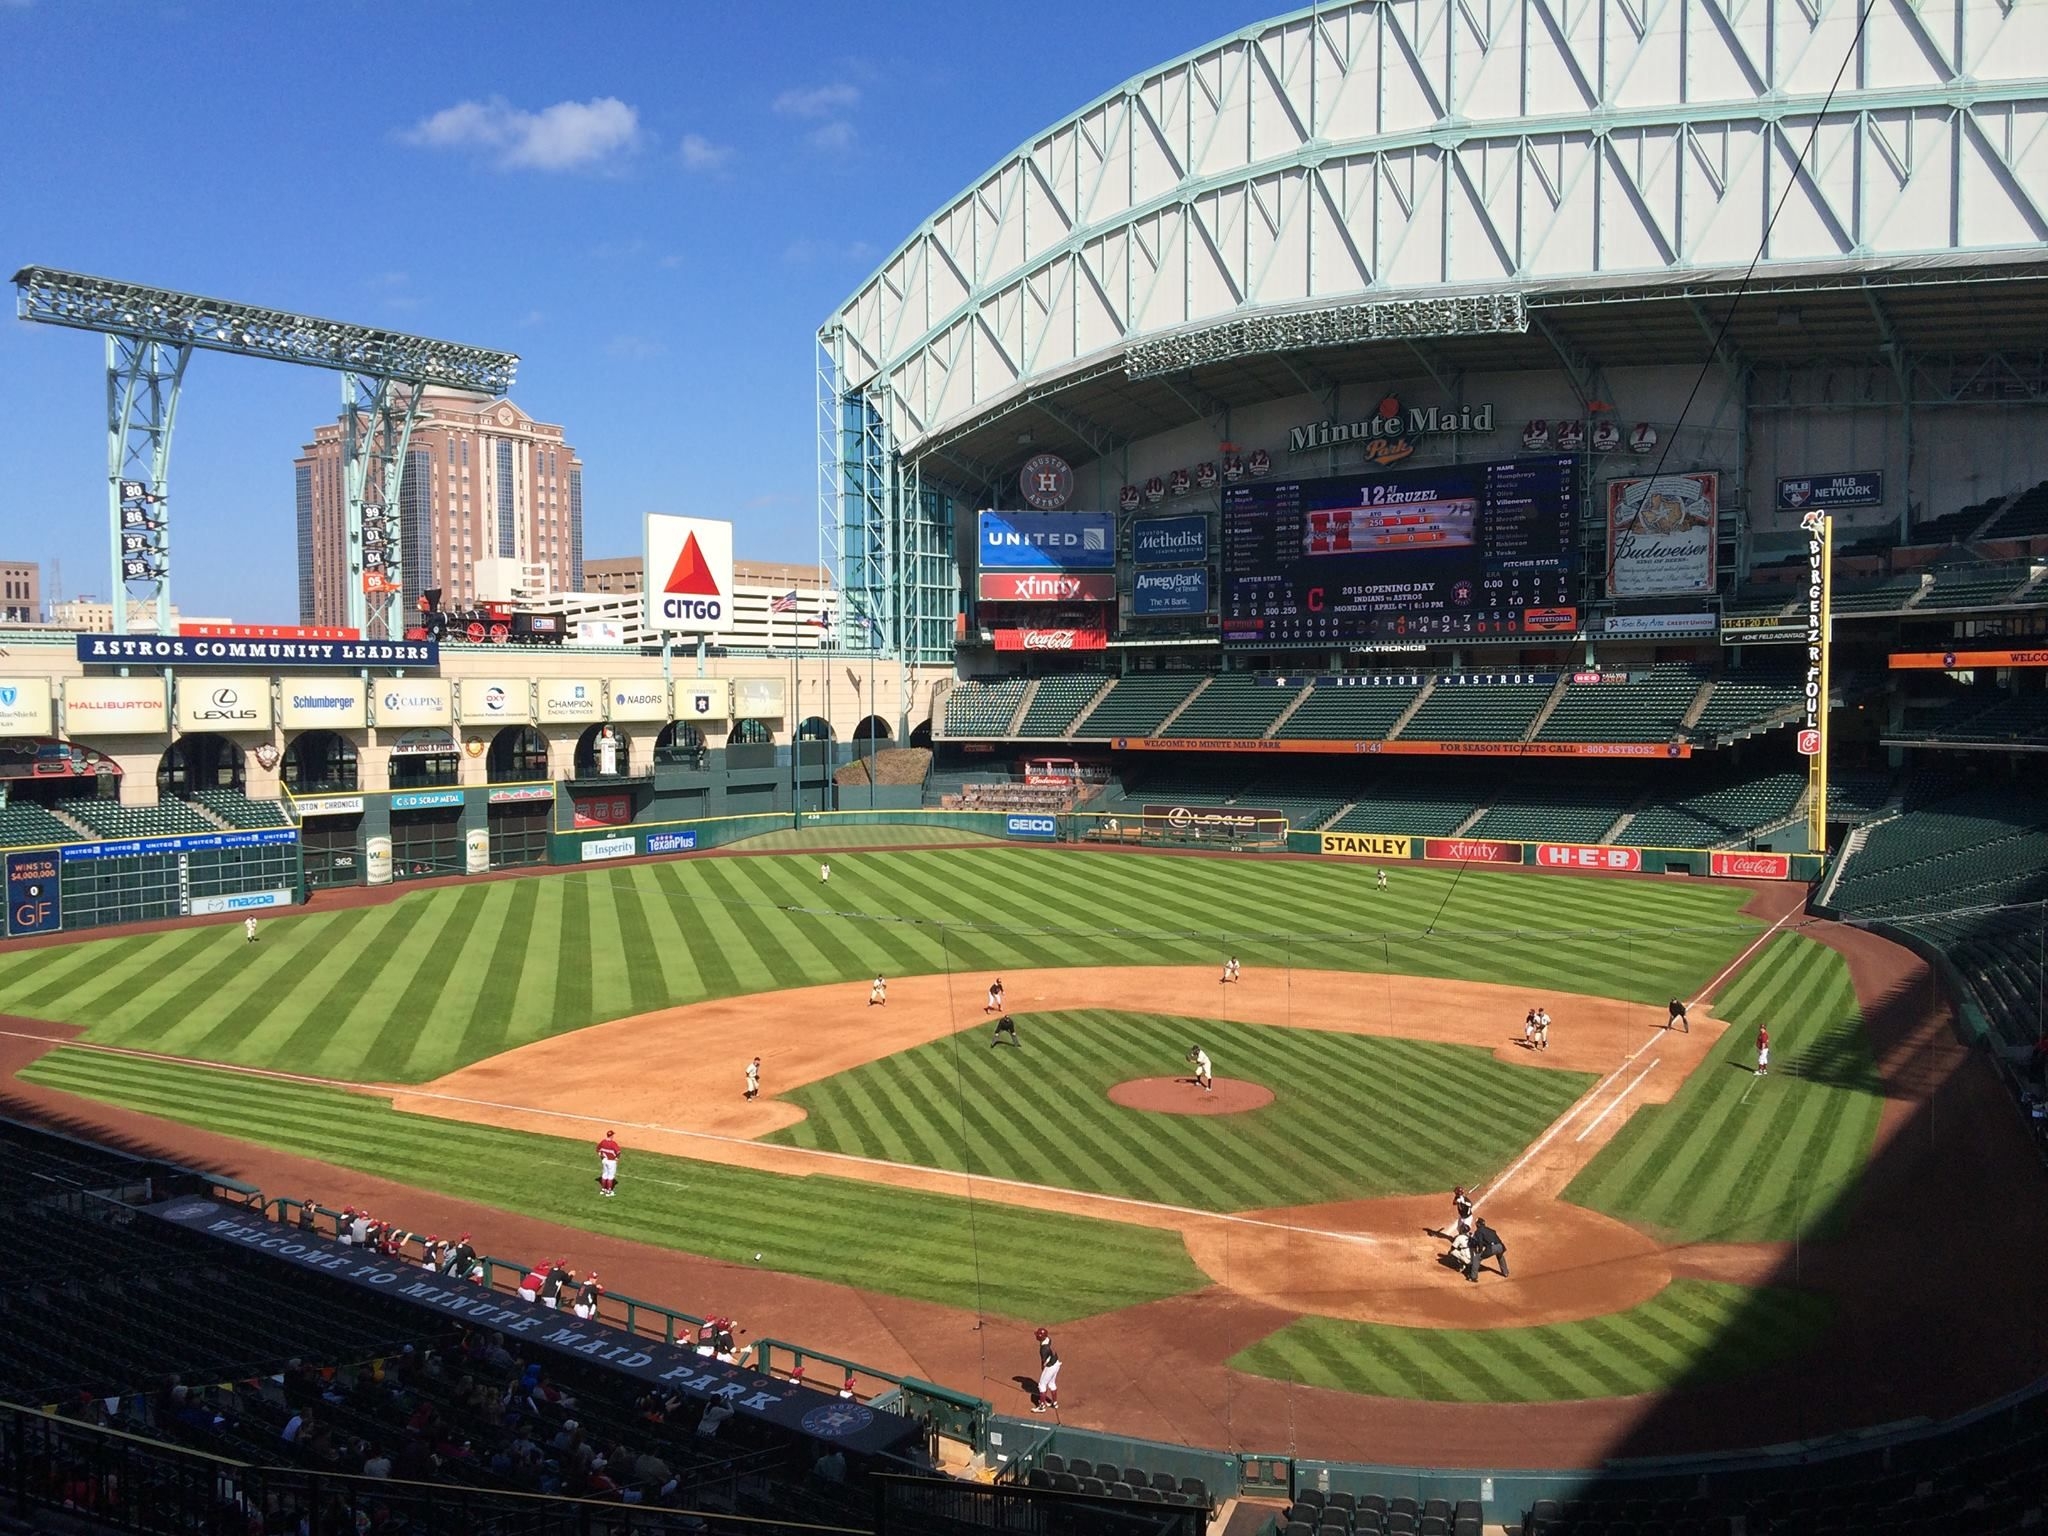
1739 1158
927 1247
437 979
1353 1116
1692 1333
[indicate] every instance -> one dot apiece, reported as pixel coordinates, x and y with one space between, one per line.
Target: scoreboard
1451 552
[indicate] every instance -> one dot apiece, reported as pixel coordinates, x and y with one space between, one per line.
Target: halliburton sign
1052 639
1465 850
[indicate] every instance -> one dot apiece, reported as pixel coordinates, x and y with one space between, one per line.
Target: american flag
784 604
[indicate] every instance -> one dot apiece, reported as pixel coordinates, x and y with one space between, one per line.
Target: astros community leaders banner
192 650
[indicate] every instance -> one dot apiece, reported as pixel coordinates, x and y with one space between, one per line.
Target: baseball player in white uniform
1203 1078
878 994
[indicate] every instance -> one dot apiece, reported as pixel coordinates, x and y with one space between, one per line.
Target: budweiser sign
1051 639
1752 866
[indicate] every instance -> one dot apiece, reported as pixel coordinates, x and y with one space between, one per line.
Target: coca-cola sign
1752 866
1051 639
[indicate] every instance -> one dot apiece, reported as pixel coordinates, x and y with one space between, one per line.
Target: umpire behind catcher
1486 1244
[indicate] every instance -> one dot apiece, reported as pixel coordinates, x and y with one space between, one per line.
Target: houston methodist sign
688 565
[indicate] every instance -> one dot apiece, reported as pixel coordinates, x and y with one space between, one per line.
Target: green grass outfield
929 1247
1691 1333
1353 1116
412 988
1738 1158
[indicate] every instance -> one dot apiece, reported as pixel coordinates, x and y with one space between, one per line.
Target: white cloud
634 348
818 100
835 138
699 154
568 136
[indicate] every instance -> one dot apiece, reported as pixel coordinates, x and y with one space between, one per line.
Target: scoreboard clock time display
1452 552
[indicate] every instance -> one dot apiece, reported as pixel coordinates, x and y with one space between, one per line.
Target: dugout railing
947 1414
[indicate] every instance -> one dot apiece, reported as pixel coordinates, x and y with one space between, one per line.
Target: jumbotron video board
1403 554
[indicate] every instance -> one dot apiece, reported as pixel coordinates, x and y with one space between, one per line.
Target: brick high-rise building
482 479
21 592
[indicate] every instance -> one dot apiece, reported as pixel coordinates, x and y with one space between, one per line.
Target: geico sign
706 609
1586 856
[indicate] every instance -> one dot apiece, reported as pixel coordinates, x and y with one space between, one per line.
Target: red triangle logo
692 575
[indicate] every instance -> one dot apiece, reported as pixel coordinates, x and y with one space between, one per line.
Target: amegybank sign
689 574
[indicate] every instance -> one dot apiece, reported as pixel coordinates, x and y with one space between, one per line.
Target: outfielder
825 874
249 927
1048 1394
608 1165
1763 1051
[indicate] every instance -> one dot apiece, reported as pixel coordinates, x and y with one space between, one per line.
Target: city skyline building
483 480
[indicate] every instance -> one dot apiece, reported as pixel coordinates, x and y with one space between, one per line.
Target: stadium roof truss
1420 172
151 334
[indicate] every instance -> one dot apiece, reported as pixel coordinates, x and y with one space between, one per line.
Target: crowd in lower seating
1050 798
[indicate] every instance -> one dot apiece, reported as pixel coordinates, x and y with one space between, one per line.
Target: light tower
151 334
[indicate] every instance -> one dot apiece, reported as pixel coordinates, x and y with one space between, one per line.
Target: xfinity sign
688 574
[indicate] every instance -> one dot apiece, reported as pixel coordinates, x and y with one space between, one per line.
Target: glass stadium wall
897 577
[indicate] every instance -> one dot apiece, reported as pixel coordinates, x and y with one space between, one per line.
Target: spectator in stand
714 1416
378 1464
830 1467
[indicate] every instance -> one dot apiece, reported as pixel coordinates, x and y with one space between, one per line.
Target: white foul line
1610 1109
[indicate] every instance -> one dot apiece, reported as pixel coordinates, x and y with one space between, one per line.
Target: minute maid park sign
1389 434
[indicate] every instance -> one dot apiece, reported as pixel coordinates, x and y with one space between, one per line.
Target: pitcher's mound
1180 1096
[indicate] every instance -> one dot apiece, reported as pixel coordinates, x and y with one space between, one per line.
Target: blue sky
654 205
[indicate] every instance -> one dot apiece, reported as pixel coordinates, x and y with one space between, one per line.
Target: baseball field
472 1040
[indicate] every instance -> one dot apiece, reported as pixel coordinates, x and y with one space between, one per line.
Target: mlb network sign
689 574
1047 541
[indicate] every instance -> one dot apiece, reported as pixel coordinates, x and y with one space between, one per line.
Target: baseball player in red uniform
1763 1051
1048 1375
608 1165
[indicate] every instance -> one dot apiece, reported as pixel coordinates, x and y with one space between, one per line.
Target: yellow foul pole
1813 735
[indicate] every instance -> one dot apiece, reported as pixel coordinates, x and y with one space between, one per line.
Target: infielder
995 997
1048 1394
878 994
1200 1058
1230 970
754 1078
608 1165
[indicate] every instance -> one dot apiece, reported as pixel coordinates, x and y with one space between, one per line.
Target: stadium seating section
238 810
1233 705
1138 705
983 709
1476 713
1347 714
25 824
1650 706
2024 518
1886 596
1413 810
1982 716
1950 528
1119 1480
1571 812
1980 847
1974 586
1059 699
1858 797
111 819
1742 702
1718 816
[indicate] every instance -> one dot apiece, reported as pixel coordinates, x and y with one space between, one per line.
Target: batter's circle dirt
1180 1096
